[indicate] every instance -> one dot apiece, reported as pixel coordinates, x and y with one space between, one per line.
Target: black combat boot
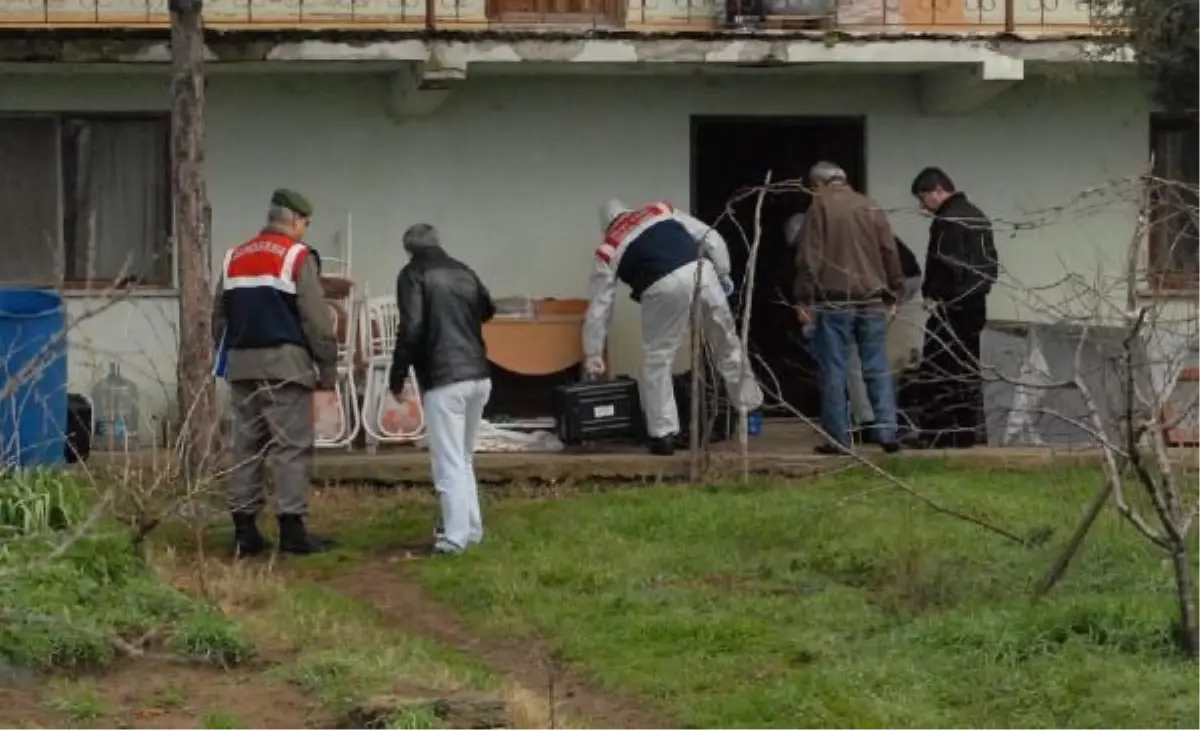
293 538
247 540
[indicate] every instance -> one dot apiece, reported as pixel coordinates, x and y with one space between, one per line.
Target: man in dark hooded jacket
960 267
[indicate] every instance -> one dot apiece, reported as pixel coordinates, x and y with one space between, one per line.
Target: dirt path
150 694
389 586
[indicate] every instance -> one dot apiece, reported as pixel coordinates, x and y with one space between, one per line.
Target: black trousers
951 385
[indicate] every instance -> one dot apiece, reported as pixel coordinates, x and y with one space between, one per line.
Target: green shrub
415 718
67 608
220 721
210 637
79 704
37 501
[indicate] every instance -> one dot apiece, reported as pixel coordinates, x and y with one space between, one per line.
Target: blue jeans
835 331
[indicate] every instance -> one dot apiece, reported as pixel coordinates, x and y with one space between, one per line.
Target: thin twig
747 307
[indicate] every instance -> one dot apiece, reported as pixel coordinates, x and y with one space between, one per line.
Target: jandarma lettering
260 247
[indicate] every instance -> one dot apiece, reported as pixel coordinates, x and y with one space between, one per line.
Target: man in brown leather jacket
848 280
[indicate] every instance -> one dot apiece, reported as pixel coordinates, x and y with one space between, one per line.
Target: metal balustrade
965 17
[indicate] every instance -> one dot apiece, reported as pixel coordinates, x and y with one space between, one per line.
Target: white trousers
666 308
452 417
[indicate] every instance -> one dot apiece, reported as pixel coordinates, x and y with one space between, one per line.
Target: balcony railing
868 16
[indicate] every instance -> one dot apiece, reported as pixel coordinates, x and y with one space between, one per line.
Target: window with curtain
85 201
1174 246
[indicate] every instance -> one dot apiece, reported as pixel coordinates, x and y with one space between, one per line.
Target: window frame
67 280
1161 277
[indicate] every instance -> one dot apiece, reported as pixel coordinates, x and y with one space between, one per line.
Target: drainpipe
431 14
1010 16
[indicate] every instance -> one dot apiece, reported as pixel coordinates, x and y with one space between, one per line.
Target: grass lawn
839 603
96 634
70 602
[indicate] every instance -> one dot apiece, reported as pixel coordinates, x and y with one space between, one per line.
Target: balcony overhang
419 88
497 51
962 88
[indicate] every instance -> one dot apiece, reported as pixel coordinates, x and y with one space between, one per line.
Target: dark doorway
731 154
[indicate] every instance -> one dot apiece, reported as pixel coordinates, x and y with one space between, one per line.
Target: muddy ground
404 604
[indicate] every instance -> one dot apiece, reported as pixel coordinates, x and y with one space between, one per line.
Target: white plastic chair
345 389
380 321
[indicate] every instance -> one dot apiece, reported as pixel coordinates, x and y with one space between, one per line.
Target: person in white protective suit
655 250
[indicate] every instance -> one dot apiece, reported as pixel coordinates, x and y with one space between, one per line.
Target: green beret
293 201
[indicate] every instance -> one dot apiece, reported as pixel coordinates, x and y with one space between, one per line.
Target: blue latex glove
220 360
727 285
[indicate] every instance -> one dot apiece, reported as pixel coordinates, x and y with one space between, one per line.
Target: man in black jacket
443 306
960 267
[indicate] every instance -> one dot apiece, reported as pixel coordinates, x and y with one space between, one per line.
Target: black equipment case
598 410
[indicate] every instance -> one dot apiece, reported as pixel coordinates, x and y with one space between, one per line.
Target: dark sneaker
890 447
830 450
295 539
664 446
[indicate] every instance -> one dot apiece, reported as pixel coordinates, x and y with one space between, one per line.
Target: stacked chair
336 415
386 420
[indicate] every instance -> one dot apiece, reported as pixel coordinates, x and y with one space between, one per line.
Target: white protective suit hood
609 212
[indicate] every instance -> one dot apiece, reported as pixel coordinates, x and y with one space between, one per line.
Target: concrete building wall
513 168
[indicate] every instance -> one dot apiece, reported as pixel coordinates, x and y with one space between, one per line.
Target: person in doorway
848 279
658 252
960 267
270 314
860 402
443 306
791 230
791 236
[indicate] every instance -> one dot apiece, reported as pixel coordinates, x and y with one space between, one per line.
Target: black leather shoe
247 540
664 446
890 447
830 450
295 539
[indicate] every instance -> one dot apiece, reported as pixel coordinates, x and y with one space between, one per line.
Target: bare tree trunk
1186 593
194 251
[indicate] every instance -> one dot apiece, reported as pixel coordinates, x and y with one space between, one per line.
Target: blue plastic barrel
33 378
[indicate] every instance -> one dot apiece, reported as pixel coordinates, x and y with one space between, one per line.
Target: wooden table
540 346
